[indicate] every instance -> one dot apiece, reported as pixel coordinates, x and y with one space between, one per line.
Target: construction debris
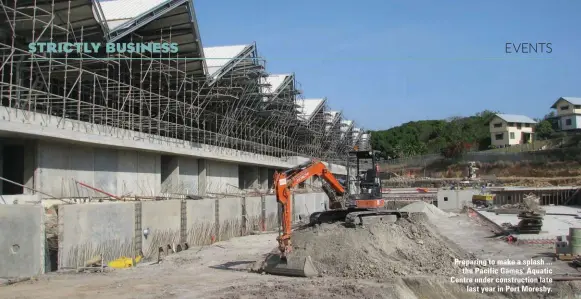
530 223
531 218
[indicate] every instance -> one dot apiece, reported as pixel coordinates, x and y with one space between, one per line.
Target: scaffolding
164 97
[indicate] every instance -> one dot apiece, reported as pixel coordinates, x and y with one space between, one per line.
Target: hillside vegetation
450 137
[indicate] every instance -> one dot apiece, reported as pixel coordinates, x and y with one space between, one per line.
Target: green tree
544 129
434 136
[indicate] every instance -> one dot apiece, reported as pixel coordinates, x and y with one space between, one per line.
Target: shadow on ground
234 266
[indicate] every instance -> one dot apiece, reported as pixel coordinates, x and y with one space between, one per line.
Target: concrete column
202 177
1 165
254 177
30 163
263 178
270 177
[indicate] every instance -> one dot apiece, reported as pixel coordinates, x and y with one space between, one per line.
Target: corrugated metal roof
330 116
274 81
308 107
515 118
118 12
218 57
346 126
572 100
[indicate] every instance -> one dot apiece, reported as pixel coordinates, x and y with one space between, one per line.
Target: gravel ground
417 258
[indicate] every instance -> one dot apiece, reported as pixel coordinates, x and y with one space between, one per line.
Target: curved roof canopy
223 59
156 21
346 127
307 108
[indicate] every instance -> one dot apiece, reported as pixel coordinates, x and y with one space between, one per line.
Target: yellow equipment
123 262
483 200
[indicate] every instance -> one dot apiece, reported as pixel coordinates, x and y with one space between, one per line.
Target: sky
384 63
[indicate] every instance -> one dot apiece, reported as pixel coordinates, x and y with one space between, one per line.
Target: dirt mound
430 210
433 288
407 247
397 288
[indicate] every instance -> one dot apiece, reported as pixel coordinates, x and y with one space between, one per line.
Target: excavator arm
285 181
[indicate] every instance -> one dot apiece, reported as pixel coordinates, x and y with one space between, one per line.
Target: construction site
200 174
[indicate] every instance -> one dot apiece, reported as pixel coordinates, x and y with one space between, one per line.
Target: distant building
568 113
510 129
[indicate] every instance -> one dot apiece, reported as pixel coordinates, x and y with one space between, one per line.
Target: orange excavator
352 209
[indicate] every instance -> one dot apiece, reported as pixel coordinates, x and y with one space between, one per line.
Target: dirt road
195 273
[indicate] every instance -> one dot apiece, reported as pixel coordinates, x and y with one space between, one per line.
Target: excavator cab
367 179
367 183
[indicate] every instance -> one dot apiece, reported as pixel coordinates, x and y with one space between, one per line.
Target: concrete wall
20 199
306 204
116 229
39 125
574 119
119 172
22 241
221 177
271 208
88 230
565 108
188 175
254 214
179 175
202 221
163 221
230 217
452 200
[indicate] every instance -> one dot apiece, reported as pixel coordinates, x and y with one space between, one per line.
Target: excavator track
355 217
374 216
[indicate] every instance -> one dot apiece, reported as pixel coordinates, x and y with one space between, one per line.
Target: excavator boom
285 181
283 263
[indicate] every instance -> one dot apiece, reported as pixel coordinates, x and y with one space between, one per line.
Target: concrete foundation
116 229
201 221
230 218
89 230
22 241
254 213
163 220
556 223
453 200
271 207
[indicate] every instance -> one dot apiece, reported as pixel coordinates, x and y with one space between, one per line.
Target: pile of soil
380 251
433 288
431 211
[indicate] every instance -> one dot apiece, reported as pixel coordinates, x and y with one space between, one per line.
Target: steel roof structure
220 96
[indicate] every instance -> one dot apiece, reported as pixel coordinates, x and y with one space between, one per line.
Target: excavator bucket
298 266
